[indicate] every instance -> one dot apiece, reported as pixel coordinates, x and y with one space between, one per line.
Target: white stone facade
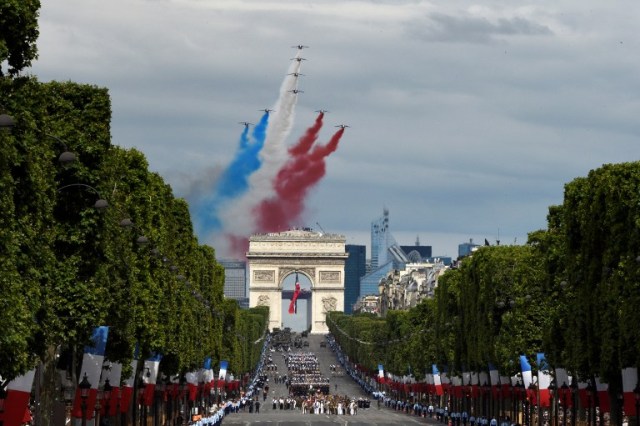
320 257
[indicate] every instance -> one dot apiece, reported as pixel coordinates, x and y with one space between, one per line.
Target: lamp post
636 393
564 389
574 402
84 386
107 399
553 411
591 418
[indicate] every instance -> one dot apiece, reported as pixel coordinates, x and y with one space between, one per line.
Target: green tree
18 33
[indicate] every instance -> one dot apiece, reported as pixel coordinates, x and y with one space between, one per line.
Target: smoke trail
236 216
234 180
292 186
307 140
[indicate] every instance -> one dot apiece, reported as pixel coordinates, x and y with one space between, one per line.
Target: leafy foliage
18 33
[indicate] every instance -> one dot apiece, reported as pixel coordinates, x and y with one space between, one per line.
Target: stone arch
317 256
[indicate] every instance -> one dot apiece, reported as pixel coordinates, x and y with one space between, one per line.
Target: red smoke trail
306 141
292 185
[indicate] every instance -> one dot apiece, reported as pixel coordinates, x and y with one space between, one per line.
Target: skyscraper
380 240
354 269
235 279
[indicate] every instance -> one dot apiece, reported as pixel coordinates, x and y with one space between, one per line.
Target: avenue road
372 416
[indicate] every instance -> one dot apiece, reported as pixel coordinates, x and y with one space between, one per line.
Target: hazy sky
467 118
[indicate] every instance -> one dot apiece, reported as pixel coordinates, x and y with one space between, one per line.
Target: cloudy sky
467 118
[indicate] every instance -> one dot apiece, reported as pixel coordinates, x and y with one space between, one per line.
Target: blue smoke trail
234 181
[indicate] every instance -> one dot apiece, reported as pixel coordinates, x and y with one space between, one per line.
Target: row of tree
66 267
572 292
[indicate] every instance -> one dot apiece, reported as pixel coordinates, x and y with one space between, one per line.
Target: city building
380 240
367 304
354 269
417 253
235 280
465 249
403 289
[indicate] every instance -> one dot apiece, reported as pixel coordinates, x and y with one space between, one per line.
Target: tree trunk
47 388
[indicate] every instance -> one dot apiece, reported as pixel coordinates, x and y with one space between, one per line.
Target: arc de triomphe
318 256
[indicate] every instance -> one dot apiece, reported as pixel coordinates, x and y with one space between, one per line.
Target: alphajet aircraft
267 110
342 126
295 74
322 111
245 123
296 91
299 59
299 47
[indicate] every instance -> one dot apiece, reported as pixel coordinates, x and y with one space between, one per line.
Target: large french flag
527 378
192 384
475 384
544 380
629 383
293 306
603 395
127 387
526 371
113 373
380 372
436 380
563 381
150 377
17 400
494 378
206 374
91 367
223 370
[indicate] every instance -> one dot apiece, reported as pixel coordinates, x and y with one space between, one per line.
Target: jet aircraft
245 123
296 91
322 111
342 126
299 47
267 110
295 74
300 59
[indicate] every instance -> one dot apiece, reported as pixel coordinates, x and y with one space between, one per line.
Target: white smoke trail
237 217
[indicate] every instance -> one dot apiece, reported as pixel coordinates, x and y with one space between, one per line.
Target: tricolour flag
603 396
436 380
544 380
91 367
526 371
112 371
293 306
192 384
150 377
380 371
223 370
16 403
128 385
629 383
563 382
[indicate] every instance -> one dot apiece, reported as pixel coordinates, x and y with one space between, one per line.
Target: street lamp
574 402
564 389
636 393
591 418
553 393
107 397
84 386
100 203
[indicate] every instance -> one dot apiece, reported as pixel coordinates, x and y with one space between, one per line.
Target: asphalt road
372 416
